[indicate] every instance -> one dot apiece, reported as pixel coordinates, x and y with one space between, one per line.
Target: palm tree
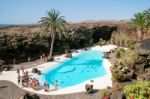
53 24
139 21
147 18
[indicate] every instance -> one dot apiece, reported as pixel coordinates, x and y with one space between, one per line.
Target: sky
31 11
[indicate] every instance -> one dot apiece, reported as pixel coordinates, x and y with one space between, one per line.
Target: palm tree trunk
139 33
52 45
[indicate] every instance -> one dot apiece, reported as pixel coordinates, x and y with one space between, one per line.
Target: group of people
27 81
47 87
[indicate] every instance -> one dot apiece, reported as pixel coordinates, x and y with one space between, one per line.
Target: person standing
18 71
56 84
18 78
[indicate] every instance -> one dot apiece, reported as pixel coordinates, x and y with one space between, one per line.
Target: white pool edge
99 82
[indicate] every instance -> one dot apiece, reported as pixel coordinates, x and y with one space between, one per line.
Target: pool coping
99 82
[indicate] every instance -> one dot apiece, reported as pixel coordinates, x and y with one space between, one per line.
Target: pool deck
99 83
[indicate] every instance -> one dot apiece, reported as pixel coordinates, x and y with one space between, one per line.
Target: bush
119 77
139 90
132 46
119 52
105 92
127 59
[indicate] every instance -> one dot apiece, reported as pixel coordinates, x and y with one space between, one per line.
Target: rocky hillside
24 41
27 30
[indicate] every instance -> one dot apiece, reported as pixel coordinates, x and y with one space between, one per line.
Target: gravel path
8 90
26 65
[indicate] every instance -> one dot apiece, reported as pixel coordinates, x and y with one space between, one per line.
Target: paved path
26 65
8 90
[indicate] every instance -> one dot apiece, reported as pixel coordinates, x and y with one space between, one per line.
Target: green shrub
119 52
132 46
119 77
138 90
105 92
128 58
122 70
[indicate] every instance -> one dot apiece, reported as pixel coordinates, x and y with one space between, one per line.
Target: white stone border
99 83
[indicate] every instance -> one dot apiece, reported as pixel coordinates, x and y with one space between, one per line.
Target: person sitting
36 84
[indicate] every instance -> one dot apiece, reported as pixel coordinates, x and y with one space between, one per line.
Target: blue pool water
85 66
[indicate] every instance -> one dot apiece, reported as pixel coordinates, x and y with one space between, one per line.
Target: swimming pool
85 66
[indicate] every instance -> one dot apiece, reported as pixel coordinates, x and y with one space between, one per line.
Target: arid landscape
93 52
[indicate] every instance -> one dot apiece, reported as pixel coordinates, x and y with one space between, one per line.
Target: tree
147 17
53 24
147 20
139 21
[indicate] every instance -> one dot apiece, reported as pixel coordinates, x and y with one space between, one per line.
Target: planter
89 88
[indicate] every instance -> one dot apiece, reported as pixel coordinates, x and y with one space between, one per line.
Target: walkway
8 90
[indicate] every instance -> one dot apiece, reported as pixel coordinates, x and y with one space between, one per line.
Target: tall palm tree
53 24
147 18
139 21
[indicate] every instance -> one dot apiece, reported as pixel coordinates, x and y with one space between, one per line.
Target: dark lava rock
69 55
34 70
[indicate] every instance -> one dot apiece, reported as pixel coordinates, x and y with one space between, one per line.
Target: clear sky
30 11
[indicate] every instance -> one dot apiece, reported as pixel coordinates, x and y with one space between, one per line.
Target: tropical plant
128 59
132 46
139 21
105 93
147 22
118 77
147 17
119 52
53 24
122 70
138 90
